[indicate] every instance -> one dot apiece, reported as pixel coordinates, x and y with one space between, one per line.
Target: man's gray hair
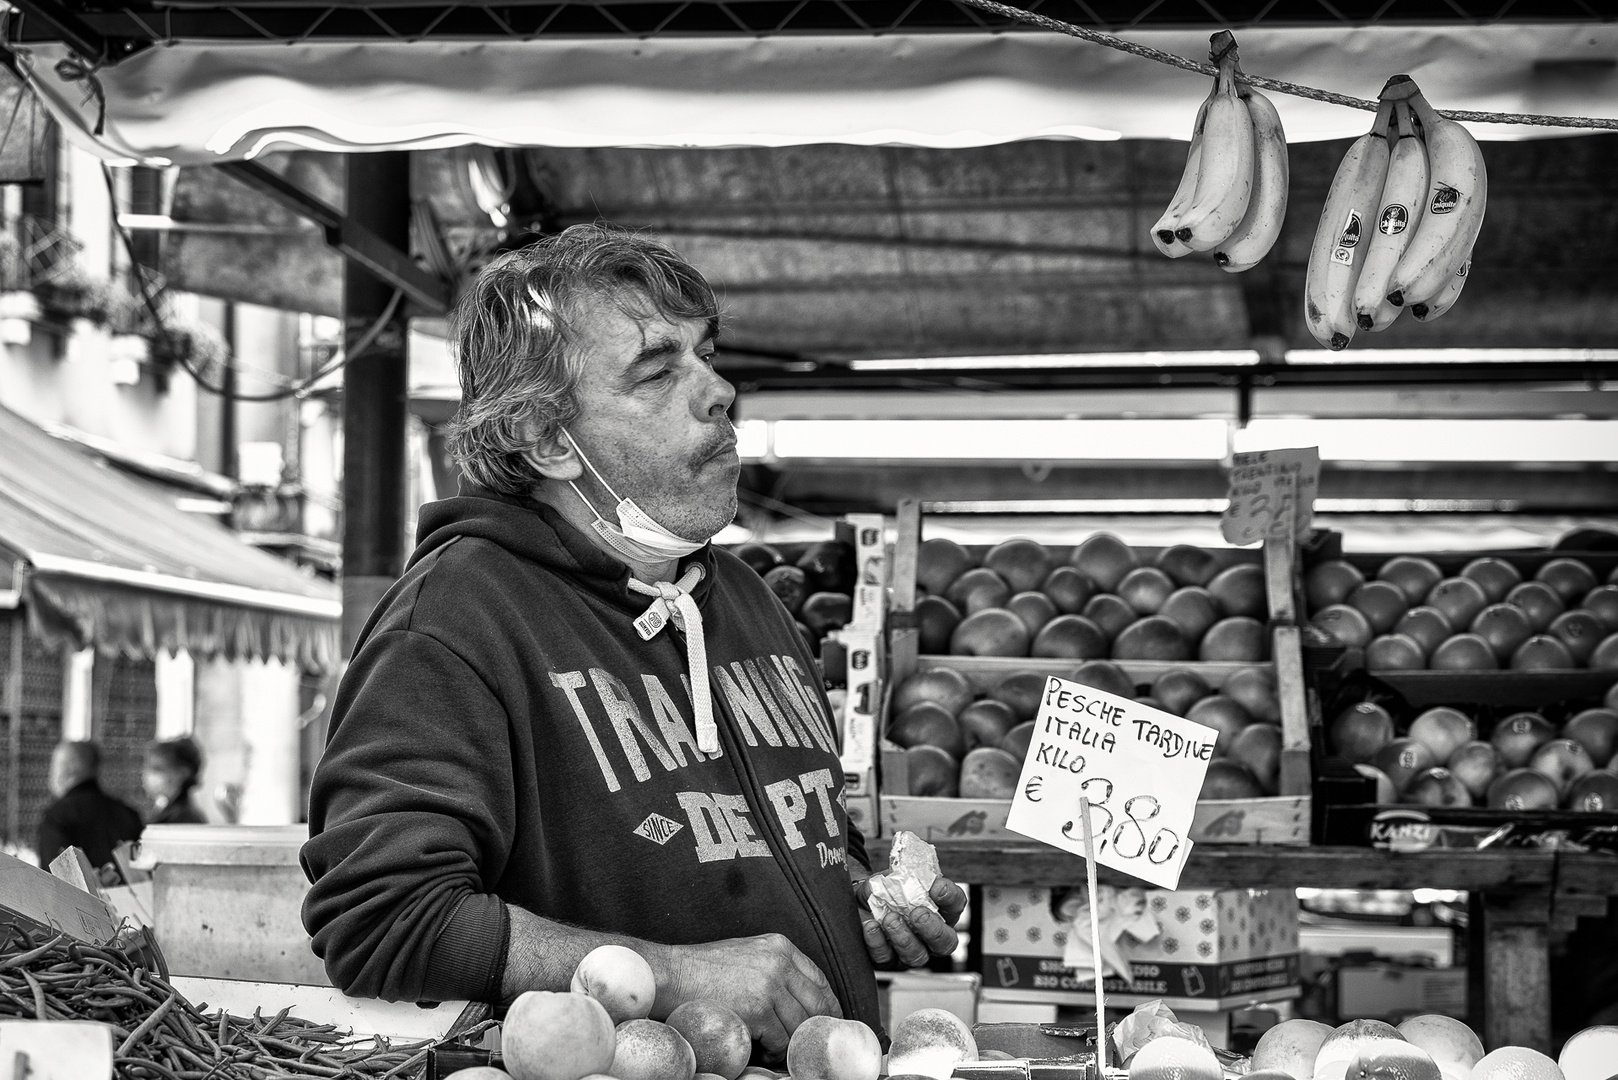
512 331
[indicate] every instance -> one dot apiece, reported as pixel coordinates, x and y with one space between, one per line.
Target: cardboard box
998 1008
31 898
861 709
228 901
1282 819
901 993
1432 946
1195 948
1384 990
870 569
1279 820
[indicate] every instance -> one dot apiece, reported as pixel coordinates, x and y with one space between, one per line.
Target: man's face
652 418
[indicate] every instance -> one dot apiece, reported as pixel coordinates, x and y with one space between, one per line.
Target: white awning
201 103
99 560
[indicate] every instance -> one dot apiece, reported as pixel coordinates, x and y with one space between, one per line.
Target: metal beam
375 401
68 27
822 376
355 241
410 20
832 488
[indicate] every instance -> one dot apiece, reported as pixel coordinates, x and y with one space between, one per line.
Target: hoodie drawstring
672 601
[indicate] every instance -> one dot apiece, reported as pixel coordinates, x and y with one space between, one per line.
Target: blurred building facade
196 402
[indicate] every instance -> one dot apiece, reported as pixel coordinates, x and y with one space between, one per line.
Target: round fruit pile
600 1030
818 589
1411 617
1519 761
959 743
1427 1047
1098 601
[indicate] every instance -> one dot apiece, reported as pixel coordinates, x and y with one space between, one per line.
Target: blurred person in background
82 815
170 777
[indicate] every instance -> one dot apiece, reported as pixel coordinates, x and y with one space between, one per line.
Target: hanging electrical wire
1279 86
301 388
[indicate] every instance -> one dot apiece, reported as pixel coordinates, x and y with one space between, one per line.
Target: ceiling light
998 440
1076 506
1438 439
1449 356
1197 358
146 221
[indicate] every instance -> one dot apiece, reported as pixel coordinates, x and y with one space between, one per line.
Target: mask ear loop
577 449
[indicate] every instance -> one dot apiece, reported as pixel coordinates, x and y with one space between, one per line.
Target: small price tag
1139 768
1272 495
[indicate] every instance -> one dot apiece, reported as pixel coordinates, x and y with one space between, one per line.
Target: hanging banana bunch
1232 195
1402 196
1338 252
1435 265
1399 222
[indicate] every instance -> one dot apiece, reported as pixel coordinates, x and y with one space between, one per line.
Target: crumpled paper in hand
908 881
1151 1020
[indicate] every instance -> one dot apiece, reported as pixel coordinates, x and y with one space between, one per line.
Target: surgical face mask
637 535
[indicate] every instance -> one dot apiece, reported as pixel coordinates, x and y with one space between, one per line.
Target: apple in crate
826 1048
619 978
717 1035
989 773
1453 1045
649 1050
552 1036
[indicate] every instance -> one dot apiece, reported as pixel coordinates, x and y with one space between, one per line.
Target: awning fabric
109 564
198 103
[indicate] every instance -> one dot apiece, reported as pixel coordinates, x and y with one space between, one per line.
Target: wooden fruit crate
1431 687
1281 819
1346 816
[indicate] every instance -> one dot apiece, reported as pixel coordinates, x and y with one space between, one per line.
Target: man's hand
915 935
772 985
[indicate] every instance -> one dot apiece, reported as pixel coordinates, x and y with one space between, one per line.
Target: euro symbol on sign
1031 789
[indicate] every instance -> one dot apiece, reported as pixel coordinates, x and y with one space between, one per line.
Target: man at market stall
573 721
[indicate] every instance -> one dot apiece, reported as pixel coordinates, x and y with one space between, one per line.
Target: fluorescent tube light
146 221
1075 506
1437 440
1447 356
999 440
1199 358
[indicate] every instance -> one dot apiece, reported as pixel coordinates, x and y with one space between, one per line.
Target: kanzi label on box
1272 495
1139 767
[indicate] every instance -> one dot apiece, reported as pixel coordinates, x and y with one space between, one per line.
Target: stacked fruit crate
974 632
1471 691
835 589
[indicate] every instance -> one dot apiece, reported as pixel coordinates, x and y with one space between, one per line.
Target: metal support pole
228 464
375 396
19 627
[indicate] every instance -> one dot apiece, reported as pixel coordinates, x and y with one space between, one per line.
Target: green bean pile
162 1036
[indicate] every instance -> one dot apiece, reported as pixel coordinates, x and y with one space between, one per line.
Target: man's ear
554 457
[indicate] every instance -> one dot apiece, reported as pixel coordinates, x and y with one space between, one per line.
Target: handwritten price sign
1139 767
1272 495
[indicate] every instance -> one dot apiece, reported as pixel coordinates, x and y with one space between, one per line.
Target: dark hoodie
503 736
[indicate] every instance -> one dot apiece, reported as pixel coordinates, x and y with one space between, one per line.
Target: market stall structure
849 260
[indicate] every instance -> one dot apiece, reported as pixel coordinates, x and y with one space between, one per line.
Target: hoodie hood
538 532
